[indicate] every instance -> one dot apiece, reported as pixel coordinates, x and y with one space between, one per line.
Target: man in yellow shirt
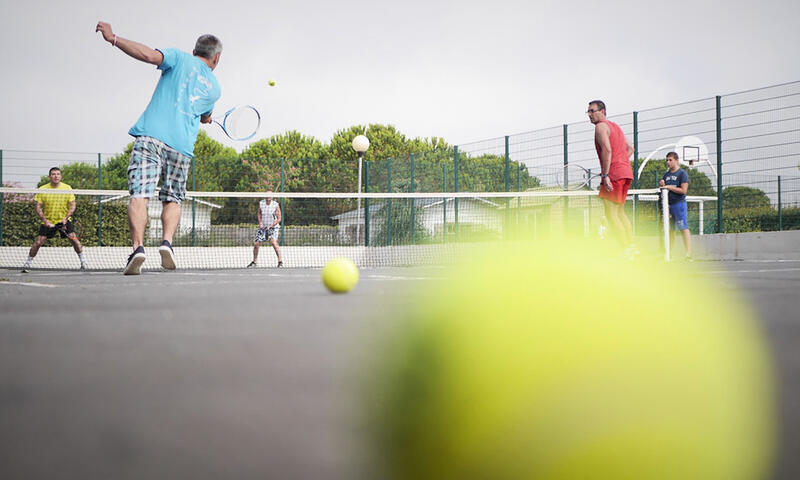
55 210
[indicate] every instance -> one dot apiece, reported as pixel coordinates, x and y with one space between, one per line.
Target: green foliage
115 170
303 165
206 147
760 219
743 197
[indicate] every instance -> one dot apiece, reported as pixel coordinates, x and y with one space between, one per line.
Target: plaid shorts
152 159
264 234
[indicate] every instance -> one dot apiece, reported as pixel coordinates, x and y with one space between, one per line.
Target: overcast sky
462 70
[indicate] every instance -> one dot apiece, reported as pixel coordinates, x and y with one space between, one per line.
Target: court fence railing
744 149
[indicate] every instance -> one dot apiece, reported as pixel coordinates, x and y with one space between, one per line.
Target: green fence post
411 189
566 178
194 202
635 169
282 203
99 198
444 203
519 187
720 225
780 212
507 182
2 197
366 204
455 188
508 167
389 203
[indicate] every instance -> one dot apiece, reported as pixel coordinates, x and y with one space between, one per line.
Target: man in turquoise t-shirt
165 134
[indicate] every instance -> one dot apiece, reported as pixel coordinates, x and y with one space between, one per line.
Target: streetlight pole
360 145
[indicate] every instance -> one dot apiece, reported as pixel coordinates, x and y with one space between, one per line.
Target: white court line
400 277
765 270
29 284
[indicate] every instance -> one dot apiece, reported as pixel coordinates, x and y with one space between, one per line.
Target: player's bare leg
170 216
277 249
76 245
34 250
137 220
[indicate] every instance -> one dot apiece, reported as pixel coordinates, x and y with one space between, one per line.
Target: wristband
604 175
115 41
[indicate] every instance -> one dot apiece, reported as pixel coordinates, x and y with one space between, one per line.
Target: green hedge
762 219
21 224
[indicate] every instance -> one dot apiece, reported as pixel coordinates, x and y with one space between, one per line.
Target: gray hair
207 46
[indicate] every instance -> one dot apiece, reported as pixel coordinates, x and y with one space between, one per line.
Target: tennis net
217 230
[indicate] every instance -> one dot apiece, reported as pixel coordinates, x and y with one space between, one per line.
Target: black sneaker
135 261
252 265
167 255
280 264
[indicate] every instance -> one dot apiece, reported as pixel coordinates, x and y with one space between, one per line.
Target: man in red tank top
614 151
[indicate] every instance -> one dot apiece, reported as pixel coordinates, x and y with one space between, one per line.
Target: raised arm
133 49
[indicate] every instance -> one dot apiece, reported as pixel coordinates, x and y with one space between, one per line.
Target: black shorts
50 232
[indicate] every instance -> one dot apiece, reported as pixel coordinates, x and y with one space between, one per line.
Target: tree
744 197
303 164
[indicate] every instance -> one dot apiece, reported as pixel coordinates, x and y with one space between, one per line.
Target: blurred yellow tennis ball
272 83
340 275
549 362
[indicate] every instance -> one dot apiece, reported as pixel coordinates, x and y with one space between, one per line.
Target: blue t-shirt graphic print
186 90
677 179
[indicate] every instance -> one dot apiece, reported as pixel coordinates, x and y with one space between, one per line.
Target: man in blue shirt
165 134
676 180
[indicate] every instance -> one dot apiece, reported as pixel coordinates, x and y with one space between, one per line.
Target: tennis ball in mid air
553 362
340 275
271 83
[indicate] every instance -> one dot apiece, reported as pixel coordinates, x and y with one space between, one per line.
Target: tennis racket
575 177
240 123
77 229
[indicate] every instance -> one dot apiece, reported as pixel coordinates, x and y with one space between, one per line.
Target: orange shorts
619 192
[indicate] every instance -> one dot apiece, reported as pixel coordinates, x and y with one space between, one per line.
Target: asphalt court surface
241 373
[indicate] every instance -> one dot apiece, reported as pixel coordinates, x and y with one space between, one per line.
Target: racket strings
242 123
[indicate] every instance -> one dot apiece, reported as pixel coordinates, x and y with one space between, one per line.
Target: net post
194 202
635 169
455 188
2 197
389 201
780 210
282 202
99 203
700 214
411 189
720 225
664 199
366 205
